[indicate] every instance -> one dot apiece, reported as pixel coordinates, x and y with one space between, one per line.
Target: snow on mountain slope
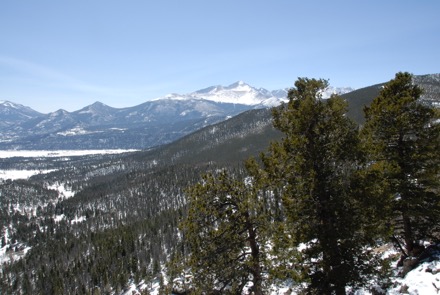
13 113
152 123
243 93
335 90
236 93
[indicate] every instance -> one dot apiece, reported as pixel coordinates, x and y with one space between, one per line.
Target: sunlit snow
423 280
24 174
58 153
10 256
63 191
77 131
21 174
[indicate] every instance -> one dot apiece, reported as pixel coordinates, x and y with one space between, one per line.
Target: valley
91 211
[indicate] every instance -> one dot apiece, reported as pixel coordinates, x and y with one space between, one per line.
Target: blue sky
69 54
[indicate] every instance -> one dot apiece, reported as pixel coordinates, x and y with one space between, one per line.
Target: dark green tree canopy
226 231
401 134
316 167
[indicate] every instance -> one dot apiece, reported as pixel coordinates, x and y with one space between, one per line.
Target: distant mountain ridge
99 126
12 113
250 133
152 123
163 120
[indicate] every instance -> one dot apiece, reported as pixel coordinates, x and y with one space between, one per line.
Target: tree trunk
408 235
334 280
255 254
407 226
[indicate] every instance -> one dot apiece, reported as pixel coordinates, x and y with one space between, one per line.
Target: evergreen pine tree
225 230
315 167
401 134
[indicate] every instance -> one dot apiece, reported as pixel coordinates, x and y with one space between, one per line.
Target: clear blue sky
69 54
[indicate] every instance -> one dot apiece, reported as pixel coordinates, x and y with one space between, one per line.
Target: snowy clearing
58 153
21 174
12 255
64 191
24 174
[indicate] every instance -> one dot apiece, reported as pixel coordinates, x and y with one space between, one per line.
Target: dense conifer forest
320 192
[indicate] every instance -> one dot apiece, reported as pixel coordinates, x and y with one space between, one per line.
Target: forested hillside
124 215
121 226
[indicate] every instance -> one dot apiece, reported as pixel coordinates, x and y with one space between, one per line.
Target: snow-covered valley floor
58 153
14 174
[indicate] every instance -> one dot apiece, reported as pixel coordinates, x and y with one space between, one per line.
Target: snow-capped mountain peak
236 93
9 104
240 86
60 112
97 108
4 104
329 91
12 113
245 94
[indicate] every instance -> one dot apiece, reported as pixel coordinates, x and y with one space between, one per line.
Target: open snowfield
58 153
24 174
21 174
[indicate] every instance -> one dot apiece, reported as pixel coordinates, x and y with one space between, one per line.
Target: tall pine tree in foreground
401 135
226 230
315 166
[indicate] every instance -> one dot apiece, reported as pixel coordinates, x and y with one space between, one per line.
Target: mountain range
152 123
162 120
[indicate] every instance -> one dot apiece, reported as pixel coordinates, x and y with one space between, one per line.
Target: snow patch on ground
58 153
58 218
63 191
24 174
76 219
150 288
21 174
423 280
14 254
77 131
